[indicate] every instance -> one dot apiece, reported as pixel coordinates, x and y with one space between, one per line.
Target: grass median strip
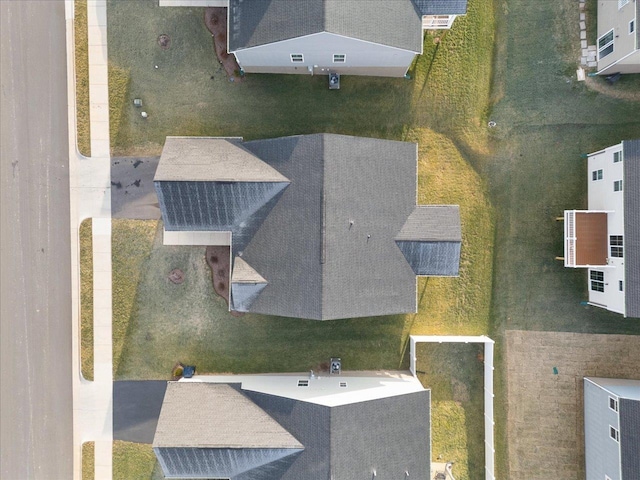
83 126
88 461
86 298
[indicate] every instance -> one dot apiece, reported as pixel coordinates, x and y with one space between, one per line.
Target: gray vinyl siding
263 463
239 207
362 58
610 17
602 453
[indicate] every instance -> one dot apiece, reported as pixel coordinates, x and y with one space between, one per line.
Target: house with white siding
319 37
618 37
612 428
355 425
605 238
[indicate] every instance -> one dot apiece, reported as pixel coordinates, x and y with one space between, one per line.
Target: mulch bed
219 263
215 18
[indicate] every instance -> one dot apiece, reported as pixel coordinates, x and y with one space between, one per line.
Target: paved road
136 409
35 289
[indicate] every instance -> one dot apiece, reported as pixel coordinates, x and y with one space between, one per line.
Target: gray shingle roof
211 159
317 263
430 240
323 241
631 190
441 7
389 435
214 415
630 438
260 22
432 223
246 285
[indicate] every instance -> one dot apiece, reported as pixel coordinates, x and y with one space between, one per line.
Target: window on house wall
596 175
303 383
605 44
297 57
613 404
617 186
615 242
339 58
621 285
632 26
613 433
597 281
622 3
617 157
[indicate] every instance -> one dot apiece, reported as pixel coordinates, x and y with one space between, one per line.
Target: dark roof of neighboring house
441 7
317 263
630 437
631 189
260 22
390 435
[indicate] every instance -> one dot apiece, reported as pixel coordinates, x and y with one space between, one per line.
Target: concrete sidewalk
90 186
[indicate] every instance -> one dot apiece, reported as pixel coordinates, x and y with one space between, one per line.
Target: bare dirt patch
164 41
612 91
545 418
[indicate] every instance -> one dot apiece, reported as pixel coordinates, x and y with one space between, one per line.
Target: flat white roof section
324 389
171 237
489 447
623 388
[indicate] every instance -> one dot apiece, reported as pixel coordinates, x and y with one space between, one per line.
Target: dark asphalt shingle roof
389 435
631 190
441 7
317 263
630 437
260 22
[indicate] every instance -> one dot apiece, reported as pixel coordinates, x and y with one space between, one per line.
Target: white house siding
603 197
362 58
602 453
624 43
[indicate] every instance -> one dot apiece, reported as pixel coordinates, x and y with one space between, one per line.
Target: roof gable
262 22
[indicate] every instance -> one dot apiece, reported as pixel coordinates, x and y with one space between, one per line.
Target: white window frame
597 175
595 283
632 26
621 285
606 45
617 186
622 3
617 156
303 383
343 55
615 404
616 433
296 57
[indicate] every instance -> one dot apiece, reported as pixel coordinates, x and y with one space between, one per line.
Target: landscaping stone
583 44
592 64
583 25
583 35
583 16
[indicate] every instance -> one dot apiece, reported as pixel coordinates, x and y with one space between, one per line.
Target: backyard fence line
489 423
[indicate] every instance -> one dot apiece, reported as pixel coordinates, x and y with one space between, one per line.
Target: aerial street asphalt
35 298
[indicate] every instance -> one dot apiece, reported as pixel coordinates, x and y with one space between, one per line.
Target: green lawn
86 299
134 461
83 126
88 461
545 121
